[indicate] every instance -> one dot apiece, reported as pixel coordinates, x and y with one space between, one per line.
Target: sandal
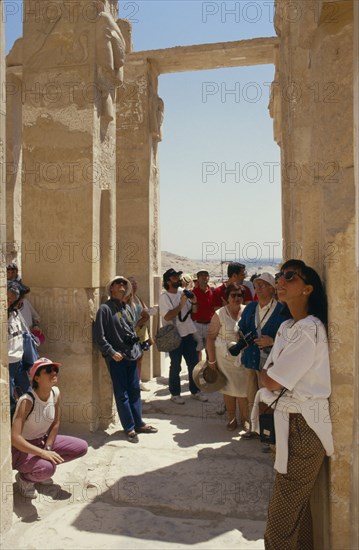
232 425
146 429
132 436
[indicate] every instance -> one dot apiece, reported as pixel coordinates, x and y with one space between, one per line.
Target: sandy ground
194 483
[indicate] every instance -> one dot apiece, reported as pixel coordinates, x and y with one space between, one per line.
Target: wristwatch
48 447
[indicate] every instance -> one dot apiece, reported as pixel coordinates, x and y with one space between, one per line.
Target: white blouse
299 361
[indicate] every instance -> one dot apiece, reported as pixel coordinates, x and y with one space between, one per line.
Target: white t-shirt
42 416
15 339
169 301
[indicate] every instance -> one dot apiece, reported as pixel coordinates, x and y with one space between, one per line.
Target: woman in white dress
223 333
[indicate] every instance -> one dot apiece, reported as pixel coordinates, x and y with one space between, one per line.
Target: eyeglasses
236 295
288 275
51 368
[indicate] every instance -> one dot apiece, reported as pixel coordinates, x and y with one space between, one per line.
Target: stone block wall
312 102
5 448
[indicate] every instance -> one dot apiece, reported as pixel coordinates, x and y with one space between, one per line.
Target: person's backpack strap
33 400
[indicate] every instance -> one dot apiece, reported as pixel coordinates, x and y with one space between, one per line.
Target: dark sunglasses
50 368
288 275
236 295
120 282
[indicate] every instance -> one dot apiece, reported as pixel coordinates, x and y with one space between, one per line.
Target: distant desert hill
216 268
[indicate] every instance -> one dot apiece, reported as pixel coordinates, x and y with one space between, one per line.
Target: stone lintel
258 51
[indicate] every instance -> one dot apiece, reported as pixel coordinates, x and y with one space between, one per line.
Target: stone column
355 463
14 152
73 58
316 94
140 115
5 457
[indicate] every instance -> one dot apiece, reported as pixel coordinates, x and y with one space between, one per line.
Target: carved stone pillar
5 456
140 115
316 82
73 57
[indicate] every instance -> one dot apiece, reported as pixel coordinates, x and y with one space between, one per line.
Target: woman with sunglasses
222 334
298 363
36 446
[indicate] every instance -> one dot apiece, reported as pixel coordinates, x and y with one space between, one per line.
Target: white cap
267 278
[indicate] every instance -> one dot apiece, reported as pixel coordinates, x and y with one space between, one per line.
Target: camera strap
182 320
260 322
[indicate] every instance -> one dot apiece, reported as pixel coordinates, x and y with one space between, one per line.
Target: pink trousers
33 468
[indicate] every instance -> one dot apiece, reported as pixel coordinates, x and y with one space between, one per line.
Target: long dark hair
318 302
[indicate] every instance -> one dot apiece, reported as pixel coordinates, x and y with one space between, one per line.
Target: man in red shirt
204 312
236 273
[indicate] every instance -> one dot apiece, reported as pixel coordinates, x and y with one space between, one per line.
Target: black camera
130 340
188 293
244 341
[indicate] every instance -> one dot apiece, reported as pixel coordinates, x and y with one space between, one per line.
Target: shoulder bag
167 337
266 421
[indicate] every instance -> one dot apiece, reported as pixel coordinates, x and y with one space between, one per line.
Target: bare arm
54 428
213 331
20 443
172 313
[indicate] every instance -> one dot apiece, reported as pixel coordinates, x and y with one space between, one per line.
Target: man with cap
176 308
236 273
115 335
205 310
263 318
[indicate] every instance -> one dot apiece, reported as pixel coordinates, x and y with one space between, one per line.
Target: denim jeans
19 380
126 389
187 349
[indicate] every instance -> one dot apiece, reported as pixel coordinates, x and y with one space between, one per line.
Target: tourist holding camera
222 334
115 335
259 324
299 362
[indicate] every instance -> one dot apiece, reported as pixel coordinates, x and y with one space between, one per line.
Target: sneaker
143 387
177 399
199 396
26 488
49 481
221 409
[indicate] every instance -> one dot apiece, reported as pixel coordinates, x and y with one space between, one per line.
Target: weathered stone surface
5 450
257 51
315 80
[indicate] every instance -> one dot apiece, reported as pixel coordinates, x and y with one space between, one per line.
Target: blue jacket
247 323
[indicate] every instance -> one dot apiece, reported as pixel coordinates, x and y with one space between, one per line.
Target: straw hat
207 379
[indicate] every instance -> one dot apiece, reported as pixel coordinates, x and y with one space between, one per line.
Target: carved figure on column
157 116
110 55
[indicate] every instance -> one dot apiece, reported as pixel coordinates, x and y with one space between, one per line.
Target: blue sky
220 168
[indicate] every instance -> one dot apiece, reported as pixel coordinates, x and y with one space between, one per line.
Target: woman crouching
36 446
